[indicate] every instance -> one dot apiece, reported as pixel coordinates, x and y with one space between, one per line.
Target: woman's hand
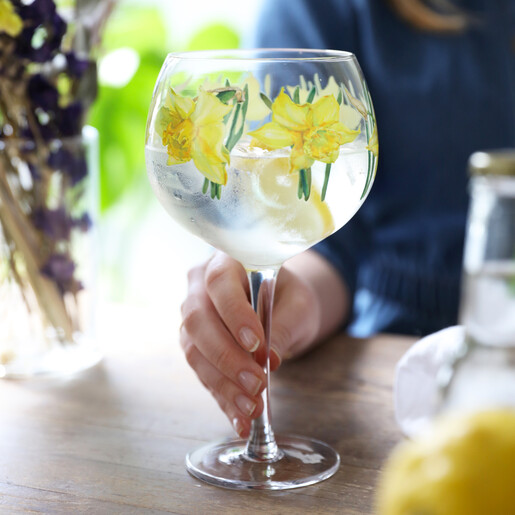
220 330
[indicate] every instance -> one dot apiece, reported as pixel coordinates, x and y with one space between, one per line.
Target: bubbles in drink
259 219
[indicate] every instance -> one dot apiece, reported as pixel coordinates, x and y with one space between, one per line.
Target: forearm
329 287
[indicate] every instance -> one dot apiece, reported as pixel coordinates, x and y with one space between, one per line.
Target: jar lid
494 162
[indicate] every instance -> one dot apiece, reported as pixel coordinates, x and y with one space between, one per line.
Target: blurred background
144 255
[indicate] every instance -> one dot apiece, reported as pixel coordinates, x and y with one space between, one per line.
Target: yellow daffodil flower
314 131
349 116
194 129
10 22
373 144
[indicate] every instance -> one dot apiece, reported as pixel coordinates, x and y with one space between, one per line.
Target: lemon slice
275 189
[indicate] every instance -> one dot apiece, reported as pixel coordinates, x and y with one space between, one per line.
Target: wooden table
113 439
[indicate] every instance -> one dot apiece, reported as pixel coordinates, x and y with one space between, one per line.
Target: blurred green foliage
120 112
214 36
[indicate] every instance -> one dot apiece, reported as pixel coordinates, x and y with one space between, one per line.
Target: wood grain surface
113 438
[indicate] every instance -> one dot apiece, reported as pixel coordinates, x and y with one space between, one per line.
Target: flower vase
48 211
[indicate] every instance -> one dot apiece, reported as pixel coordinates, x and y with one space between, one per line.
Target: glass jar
48 214
483 374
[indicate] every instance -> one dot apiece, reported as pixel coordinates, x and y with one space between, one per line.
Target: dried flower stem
47 294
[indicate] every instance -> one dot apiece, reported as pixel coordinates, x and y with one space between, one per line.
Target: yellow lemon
275 189
464 465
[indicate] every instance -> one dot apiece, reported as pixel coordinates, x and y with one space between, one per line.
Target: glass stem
261 445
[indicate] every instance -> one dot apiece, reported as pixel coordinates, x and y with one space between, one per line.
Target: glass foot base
56 361
303 462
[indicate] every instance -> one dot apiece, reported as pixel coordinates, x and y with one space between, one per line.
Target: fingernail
246 405
237 425
276 352
249 339
250 382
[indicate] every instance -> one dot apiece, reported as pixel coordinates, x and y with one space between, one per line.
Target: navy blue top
437 98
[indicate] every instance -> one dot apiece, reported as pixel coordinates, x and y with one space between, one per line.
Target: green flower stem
304 188
307 189
326 180
231 141
240 112
205 186
370 165
300 189
241 108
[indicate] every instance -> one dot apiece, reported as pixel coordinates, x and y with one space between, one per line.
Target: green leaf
340 96
311 95
296 95
225 96
245 103
266 100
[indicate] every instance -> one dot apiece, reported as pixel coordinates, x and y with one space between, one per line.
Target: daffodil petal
215 171
211 138
325 111
10 21
175 161
349 116
180 107
164 119
257 109
209 109
274 136
346 135
209 154
290 115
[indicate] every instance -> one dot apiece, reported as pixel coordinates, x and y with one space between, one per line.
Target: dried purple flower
72 164
76 66
55 223
42 93
60 268
43 30
69 120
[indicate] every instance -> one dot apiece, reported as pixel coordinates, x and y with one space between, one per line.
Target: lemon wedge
274 190
462 466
